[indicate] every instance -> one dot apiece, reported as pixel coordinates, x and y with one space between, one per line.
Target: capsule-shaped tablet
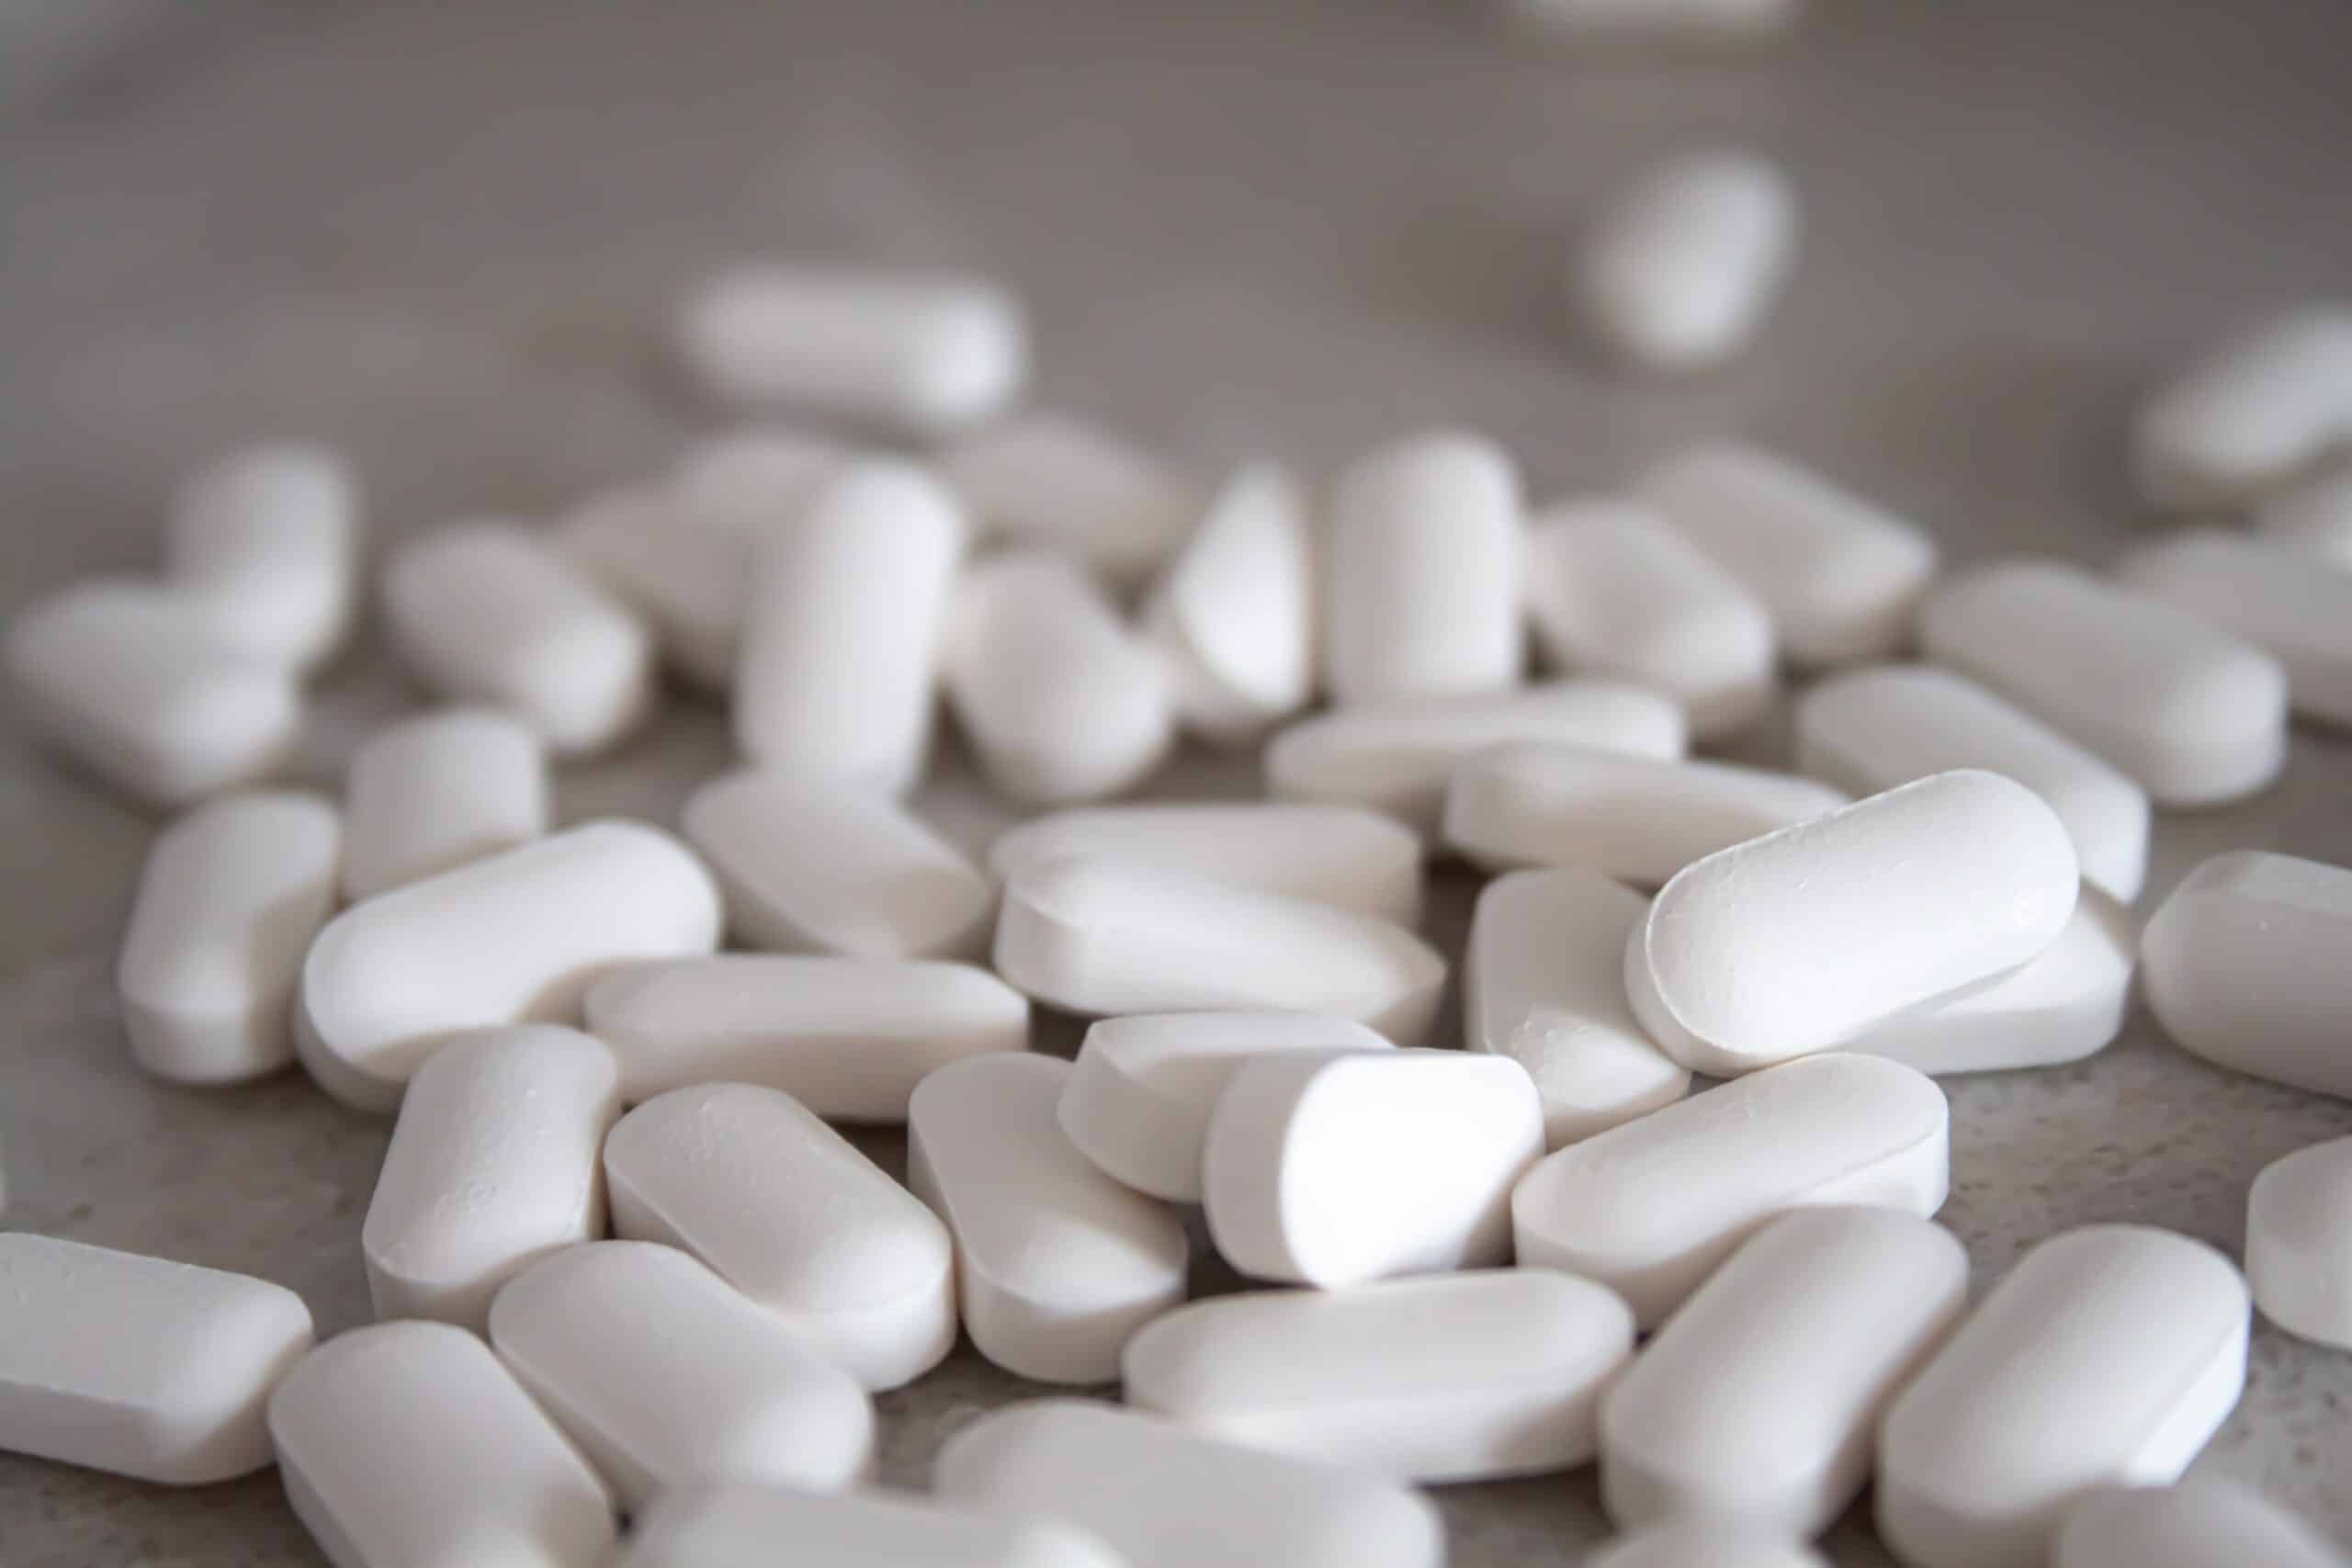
1422 573
2263 405
748 482
515 938
1680 21
1164 1497
1544 983
1141 1090
1304 1174
1651 1208
687 579
1051 482
664 1376
2269 596
2105 1357
1397 758
1812 936
2206 1521
1677 273
133 685
921 353
2298 1239
1612 590
1639 820
2313 517
486 611
849 1038
1701 1544
1056 1263
1870 729
2242 963
1100 936
1058 699
1506 1374
138 1365
1341 855
230 897
2197 716
493 1164
407 1445
433 793
1756 1405
786 1211
1234 612
811 862
266 540
737 1525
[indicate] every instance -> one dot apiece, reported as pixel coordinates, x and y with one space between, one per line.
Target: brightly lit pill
1164 1497
515 938
438 791
488 612
2314 517
267 539
493 1164
1868 730
1052 481
1756 1405
2242 962
1143 1086
1676 272
2271 597
1703 1543
2260 407
663 1375
408 1445
1651 1208
2298 1238
138 1365
1505 1378
739 1524
1056 1264
688 579
2205 1522
2107 1355
2196 716
1103 936
1811 936
924 353
849 1038
228 903
1234 612
788 1212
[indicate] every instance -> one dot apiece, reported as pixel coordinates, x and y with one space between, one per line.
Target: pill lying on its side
2269 596
266 540
1234 612
1700 1543
1054 482
439 791
2298 1234
738 1525
2260 407
2313 517
2206 1521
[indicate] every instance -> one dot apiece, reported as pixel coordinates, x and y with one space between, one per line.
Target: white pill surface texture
2105 1357
2197 716
1104 937
849 1038
1841 576
2267 595
1756 1405
489 612
138 1365
1868 730
2206 1521
665 1376
1677 273
810 862
2242 965
735 1525
1651 1208
1544 983
2259 408
267 540
2299 1242
1233 614
786 1211
433 793
230 897
1701 1543
1422 573
408 1445
2314 517
1164 1497
1333 1169
1056 1264
1506 1372
686 578
1051 482
493 1164
515 938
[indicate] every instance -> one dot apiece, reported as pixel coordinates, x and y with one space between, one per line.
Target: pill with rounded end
2269 401
688 579
1507 1369
231 898
1651 1208
408 1445
849 1038
493 1164
1234 612
1164 1497
514 938
787 1211
1701 1544
1100 936
2206 1521
2107 1355
1677 271
2269 596
2313 517
1811 936
2197 716
2242 965
738 1525
441 790
1056 1264
746 483
139 1366
2299 1242
266 540
1052 481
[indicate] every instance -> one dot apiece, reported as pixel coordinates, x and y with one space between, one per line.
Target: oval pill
2313 517
687 579
1234 612
2267 402
2206 1521
441 790
1701 1543
737 1525
2299 1242
1051 482
746 483
267 539
1677 271
2269 596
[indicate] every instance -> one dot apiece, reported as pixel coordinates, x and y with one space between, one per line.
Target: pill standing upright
266 540
435 792
1677 273
2298 1239
1234 612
